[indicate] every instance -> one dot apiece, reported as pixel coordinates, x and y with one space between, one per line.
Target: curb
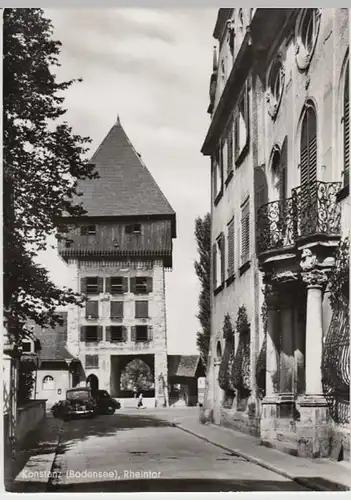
310 484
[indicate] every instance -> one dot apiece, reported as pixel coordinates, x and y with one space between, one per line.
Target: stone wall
29 417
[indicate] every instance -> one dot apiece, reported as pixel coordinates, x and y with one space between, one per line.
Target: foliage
203 271
26 380
261 359
339 280
136 376
242 323
241 364
42 164
224 375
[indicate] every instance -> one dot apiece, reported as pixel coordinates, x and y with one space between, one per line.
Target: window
116 333
308 152
26 346
275 86
117 285
88 230
346 126
307 28
245 232
141 333
91 361
92 285
279 175
141 309
241 127
218 262
116 309
230 148
133 229
231 248
92 309
48 383
91 333
141 285
217 170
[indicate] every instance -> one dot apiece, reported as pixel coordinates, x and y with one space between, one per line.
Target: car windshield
78 395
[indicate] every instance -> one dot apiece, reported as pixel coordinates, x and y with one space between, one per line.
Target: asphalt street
142 451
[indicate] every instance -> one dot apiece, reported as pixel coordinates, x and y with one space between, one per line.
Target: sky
152 68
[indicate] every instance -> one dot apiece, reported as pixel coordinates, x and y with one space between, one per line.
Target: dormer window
88 230
133 229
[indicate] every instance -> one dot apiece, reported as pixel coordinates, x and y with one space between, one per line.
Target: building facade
118 253
279 147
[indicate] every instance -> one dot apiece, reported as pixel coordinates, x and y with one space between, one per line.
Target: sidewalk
34 458
317 474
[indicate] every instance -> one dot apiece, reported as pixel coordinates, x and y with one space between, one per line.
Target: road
142 451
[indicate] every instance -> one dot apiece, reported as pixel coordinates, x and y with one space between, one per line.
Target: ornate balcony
312 211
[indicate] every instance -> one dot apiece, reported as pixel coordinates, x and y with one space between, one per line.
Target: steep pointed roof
125 186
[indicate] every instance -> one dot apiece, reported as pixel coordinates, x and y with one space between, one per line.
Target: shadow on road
104 425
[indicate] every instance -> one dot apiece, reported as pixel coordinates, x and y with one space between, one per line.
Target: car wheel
110 411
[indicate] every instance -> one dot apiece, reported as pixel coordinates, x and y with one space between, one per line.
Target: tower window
133 229
116 285
141 285
91 334
141 333
91 361
116 334
92 285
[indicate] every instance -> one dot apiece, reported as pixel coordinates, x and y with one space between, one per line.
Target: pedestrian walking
140 401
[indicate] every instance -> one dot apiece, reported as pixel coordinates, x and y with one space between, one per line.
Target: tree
43 162
137 375
26 379
203 271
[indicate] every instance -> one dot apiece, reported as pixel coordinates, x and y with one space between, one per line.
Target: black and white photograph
176 226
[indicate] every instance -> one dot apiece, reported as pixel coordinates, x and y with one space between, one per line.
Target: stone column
286 379
161 379
269 403
313 428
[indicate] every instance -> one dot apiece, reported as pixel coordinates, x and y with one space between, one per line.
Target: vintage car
105 403
79 402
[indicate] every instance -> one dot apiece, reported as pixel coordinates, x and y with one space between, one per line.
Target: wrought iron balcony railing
311 210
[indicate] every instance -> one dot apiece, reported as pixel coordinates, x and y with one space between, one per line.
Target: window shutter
116 309
149 284
346 128
108 285
222 258
83 285
245 233
236 134
99 333
283 186
214 176
83 333
230 152
246 114
100 285
132 284
92 309
149 333
221 163
133 333
125 285
214 266
230 245
108 334
124 333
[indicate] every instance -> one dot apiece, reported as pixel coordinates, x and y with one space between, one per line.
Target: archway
137 376
93 383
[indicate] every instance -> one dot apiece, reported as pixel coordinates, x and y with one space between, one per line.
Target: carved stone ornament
308 260
285 276
271 296
315 278
268 96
